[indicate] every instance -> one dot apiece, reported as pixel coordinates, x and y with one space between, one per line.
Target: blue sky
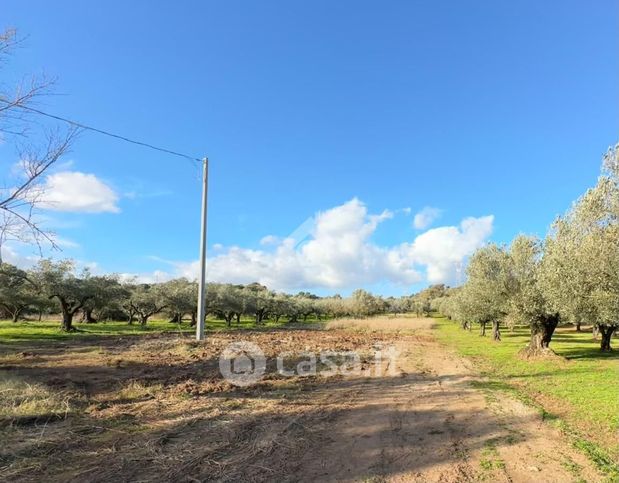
342 109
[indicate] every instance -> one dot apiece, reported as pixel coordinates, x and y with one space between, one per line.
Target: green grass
490 459
584 385
50 331
23 331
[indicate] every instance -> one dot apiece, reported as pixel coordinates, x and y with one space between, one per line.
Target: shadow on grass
588 354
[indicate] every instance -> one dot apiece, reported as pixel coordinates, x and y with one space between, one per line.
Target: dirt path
157 409
432 424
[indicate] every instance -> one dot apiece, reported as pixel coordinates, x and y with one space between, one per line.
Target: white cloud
157 276
443 250
78 192
268 240
65 242
13 256
339 254
424 218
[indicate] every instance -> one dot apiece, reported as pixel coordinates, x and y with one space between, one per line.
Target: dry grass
157 408
382 324
20 401
138 390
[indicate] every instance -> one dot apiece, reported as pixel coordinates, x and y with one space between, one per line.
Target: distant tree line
55 288
572 276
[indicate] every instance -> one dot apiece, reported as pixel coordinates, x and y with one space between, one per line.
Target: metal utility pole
202 281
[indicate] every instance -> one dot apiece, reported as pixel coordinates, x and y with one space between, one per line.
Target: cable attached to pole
101 131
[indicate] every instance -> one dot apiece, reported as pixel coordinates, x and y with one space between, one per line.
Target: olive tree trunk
67 321
496 331
541 335
15 314
68 311
607 332
88 318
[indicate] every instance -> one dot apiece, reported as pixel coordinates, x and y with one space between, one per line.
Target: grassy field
25 331
581 388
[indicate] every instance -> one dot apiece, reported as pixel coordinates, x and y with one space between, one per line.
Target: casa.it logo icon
242 363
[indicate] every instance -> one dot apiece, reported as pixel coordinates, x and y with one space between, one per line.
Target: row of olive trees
570 276
55 287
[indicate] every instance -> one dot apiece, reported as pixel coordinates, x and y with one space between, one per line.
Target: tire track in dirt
430 424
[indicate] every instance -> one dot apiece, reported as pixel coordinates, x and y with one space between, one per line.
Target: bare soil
156 408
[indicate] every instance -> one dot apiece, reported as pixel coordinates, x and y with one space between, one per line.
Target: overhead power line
105 133
202 280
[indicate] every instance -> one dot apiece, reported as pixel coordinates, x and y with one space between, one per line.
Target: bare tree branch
38 147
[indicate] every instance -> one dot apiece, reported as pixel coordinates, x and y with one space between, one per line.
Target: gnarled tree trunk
482 330
67 321
541 335
88 318
496 331
606 330
67 314
15 314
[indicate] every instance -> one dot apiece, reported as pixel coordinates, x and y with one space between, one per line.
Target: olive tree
334 306
364 303
284 305
226 300
447 305
146 300
17 291
581 260
304 304
180 298
107 297
422 301
487 287
529 303
57 280
258 301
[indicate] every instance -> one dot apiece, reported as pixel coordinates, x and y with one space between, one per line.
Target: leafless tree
37 145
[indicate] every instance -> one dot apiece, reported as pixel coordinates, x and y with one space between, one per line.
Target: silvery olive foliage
488 284
580 269
570 276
